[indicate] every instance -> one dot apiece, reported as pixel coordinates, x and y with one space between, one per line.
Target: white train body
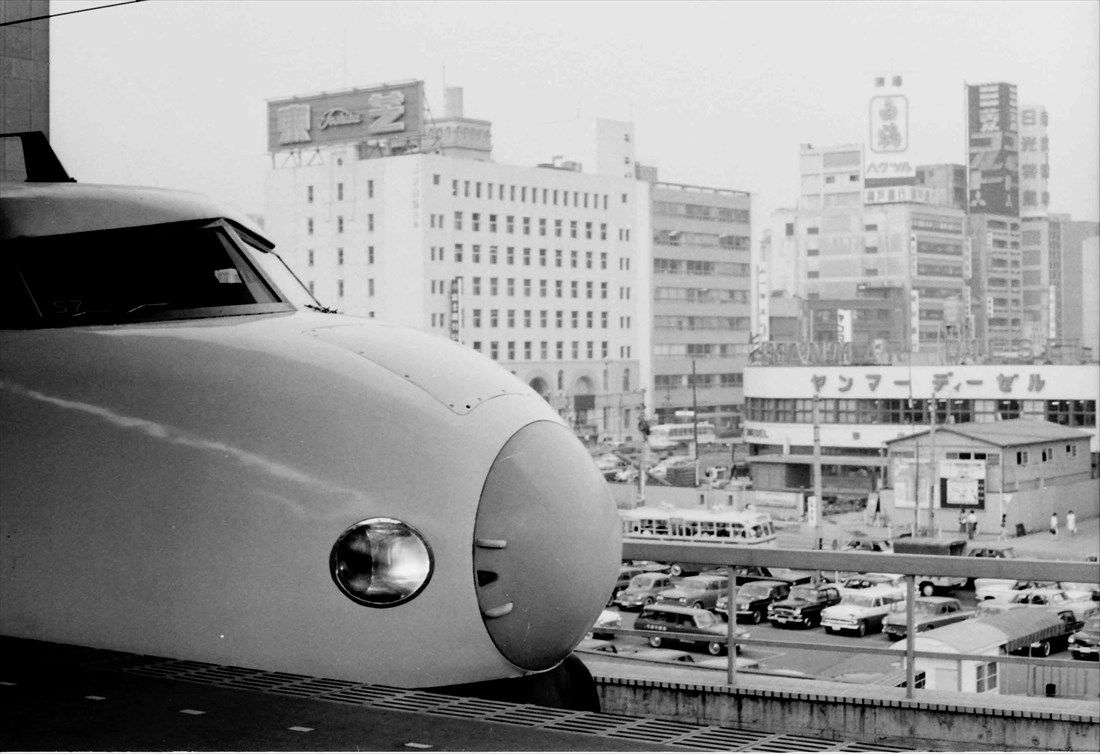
174 485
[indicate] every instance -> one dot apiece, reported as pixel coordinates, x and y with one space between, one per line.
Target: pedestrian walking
962 521
1054 525
971 524
1004 528
1071 523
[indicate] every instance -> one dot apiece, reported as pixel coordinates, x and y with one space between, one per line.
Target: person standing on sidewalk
971 524
962 521
1004 528
1071 523
1054 525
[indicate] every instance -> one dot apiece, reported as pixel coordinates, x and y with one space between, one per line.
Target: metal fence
1029 675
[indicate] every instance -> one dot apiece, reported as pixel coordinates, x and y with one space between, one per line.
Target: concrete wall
934 722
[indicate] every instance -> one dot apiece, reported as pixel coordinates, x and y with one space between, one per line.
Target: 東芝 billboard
393 112
888 159
993 149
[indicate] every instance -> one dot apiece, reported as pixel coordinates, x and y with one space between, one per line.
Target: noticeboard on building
962 483
390 112
993 135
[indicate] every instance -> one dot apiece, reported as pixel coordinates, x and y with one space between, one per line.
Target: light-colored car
1058 601
863 611
928 613
606 625
862 581
701 591
626 573
642 590
1006 589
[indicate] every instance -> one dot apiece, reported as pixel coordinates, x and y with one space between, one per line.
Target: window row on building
559 350
724 379
713 240
690 324
701 295
530 194
493 223
545 319
699 350
526 257
310 193
700 212
700 267
508 286
1073 413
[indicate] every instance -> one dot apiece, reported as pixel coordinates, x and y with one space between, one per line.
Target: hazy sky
173 93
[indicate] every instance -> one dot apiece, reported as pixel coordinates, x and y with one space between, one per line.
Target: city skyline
195 121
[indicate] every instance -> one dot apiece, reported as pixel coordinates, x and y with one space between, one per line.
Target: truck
927 585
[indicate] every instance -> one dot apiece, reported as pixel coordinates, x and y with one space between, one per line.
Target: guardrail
910 566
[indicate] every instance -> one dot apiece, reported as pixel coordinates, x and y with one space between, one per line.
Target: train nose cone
546 546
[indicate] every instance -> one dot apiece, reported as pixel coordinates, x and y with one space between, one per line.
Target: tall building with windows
387 214
25 78
701 302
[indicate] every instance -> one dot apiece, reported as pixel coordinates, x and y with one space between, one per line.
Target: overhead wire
67 13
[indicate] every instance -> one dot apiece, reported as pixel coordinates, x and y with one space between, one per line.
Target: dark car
710 629
803 605
753 599
928 613
642 590
701 591
1085 643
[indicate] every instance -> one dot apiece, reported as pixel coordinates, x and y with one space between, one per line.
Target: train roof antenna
39 159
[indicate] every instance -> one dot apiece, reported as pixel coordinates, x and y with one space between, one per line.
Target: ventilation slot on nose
486 577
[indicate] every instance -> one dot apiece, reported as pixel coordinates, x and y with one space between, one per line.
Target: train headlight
381 562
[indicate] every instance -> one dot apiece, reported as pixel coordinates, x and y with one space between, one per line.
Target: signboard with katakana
993 149
888 132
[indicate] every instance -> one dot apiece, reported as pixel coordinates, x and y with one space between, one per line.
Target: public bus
704 525
664 436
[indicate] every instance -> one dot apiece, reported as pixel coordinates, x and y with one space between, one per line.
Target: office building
701 313
545 269
24 78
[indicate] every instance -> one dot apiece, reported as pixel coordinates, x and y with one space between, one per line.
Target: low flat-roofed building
1024 469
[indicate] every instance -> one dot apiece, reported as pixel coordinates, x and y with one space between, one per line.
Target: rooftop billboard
993 149
389 111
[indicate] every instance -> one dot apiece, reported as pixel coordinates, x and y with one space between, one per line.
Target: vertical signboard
1034 161
888 159
993 149
844 325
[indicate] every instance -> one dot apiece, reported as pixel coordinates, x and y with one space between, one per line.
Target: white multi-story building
543 269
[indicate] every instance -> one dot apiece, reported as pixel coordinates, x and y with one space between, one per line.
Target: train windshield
163 272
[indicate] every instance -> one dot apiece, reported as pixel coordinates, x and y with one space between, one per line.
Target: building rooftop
1008 433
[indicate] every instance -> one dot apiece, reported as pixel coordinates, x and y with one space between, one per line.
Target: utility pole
818 502
935 476
694 423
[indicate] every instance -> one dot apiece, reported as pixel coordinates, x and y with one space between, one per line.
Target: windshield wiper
322 309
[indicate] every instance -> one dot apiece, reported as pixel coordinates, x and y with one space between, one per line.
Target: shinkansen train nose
547 546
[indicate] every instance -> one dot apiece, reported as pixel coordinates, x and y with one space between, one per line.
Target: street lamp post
694 423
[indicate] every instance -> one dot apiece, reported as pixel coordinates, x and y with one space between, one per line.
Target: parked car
753 599
1085 643
710 629
701 591
626 573
868 580
864 611
642 590
1006 589
605 625
927 585
804 605
928 612
991 551
1056 599
868 545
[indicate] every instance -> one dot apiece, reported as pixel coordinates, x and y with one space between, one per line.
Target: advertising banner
888 158
962 484
993 149
393 112
910 477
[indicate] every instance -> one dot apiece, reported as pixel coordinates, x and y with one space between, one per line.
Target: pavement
1036 546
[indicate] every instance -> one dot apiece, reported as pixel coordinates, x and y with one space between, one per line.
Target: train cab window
176 271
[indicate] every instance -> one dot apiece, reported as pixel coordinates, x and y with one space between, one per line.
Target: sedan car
1085 643
626 573
709 629
753 599
928 612
868 580
642 590
1007 589
1056 599
701 591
